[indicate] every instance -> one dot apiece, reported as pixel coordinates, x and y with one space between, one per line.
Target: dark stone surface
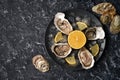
22 31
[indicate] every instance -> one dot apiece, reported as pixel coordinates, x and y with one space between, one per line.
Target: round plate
72 16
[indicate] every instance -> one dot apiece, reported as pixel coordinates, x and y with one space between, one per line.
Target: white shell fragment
40 63
62 24
86 58
95 33
61 50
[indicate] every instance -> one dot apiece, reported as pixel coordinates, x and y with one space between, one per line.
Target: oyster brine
62 24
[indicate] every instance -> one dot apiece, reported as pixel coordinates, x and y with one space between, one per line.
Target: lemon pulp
76 39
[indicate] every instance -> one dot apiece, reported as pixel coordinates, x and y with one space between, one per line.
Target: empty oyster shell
86 58
40 63
62 24
103 8
115 25
61 50
106 18
95 33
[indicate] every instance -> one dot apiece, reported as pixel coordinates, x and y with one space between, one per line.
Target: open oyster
61 50
86 58
95 33
40 63
104 8
115 25
62 24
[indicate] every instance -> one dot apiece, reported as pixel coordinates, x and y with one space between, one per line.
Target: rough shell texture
106 18
62 24
86 58
40 63
95 33
61 50
104 8
115 25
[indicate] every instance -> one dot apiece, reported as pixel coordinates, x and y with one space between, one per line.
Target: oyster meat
61 50
86 58
40 63
115 25
95 33
62 24
104 8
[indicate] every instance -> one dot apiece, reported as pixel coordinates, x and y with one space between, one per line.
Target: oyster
95 33
61 50
115 25
86 58
40 63
106 18
104 8
62 24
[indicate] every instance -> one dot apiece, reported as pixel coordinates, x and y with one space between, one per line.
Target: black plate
71 16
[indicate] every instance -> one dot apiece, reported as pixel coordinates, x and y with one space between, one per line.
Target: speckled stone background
22 30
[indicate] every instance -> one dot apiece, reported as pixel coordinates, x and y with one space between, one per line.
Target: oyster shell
104 8
115 25
106 18
62 24
40 63
95 33
61 50
86 58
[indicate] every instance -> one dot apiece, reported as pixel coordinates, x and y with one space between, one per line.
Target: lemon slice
95 49
81 25
58 37
76 39
71 60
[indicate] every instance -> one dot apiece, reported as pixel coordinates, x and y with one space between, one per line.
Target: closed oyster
104 8
62 24
40 63
95 33
86 58
106 18
115 25
61 50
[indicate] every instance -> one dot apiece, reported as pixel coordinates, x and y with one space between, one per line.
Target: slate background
22 30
